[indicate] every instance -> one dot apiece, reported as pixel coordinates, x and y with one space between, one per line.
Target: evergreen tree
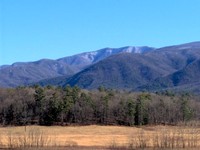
141 113
130 112
39 103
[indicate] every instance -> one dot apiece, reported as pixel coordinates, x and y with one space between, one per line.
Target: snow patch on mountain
95 56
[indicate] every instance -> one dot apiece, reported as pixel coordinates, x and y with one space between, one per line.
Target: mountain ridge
145 68
24 73
169 62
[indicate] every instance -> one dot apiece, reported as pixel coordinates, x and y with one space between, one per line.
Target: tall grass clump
32 138
1 142
166 138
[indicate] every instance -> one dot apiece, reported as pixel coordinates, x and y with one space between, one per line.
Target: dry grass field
96 137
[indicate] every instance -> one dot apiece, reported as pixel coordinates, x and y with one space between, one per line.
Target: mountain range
19 74
133 68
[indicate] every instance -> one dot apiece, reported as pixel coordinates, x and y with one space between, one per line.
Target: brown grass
111 137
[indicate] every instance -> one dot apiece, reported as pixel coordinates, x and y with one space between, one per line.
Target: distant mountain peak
95 56
137 49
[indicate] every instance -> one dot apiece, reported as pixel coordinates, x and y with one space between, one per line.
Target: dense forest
72 105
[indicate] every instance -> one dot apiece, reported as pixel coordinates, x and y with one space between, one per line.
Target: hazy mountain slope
124 71
177 56
184 79
158 69
151 69
83 60
56 81
27 73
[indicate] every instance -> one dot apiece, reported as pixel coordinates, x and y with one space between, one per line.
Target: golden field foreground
110 137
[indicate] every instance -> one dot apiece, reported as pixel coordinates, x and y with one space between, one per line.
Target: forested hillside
71 105
127 68
19 74
174 67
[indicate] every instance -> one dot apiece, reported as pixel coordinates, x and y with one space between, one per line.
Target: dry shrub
71 144
32 138
1 142
180 137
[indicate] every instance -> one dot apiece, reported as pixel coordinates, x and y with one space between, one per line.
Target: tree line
72 105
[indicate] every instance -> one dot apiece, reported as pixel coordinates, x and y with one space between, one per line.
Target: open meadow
100 137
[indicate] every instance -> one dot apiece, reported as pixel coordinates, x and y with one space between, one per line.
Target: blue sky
35 29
